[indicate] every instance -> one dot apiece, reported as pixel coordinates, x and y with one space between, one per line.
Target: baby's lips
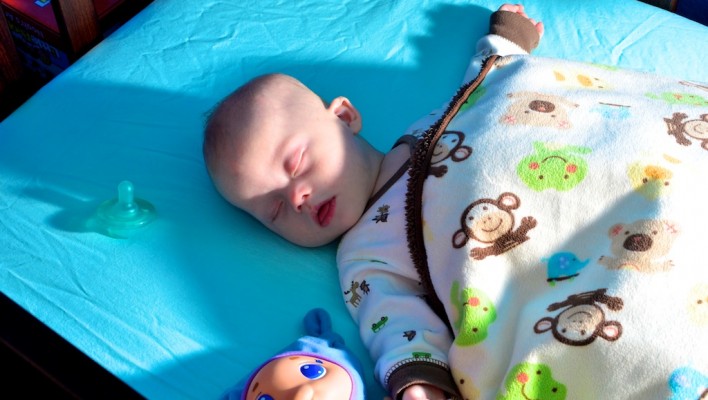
323 213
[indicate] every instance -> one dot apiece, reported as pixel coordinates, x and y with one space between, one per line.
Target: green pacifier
124 214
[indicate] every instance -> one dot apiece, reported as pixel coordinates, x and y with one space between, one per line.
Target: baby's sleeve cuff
421 373
515 28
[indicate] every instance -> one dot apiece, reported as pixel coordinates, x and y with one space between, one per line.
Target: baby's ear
345 110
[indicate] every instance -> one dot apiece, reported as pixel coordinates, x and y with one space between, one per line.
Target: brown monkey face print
577 324
492 223
488 221
686 131
450 146
582 319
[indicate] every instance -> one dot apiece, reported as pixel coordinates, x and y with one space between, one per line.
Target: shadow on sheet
189 305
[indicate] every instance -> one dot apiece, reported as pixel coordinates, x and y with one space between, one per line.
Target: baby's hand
423 392
519 9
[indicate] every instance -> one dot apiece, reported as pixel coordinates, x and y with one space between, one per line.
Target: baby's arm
511 31
405 337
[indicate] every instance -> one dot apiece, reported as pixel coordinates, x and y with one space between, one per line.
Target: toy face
300 377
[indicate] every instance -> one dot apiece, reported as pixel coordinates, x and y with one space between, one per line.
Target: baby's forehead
246 123
259 140
249 159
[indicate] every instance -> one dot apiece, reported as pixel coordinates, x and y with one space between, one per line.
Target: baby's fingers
519 9
515 8
539 27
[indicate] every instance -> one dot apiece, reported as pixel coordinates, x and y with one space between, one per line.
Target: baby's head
274 149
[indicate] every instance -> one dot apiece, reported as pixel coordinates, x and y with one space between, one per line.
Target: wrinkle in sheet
42 272
160 346
93 311
638 32
26 237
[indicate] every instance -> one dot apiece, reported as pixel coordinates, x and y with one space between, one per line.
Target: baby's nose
299 194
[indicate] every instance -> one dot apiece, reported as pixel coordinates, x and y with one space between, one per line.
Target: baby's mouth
324 212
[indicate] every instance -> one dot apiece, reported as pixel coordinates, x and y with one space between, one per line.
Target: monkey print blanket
558 212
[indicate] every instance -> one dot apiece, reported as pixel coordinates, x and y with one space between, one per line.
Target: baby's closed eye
276 210
294 162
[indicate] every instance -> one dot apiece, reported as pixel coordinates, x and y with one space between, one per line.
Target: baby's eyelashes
276 210
294 163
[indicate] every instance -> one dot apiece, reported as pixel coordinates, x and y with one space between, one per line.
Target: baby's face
300 377
301 171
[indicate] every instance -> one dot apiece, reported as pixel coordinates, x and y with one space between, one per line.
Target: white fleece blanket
564 222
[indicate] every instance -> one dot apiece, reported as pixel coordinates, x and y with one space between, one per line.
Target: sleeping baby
538 237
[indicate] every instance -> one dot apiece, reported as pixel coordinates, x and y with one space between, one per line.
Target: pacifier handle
126 197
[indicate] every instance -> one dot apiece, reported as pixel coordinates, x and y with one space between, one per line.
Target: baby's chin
320 237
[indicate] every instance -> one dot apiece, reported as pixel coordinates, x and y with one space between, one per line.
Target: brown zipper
414 194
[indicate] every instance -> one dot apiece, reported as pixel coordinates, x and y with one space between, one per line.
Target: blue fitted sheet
193 302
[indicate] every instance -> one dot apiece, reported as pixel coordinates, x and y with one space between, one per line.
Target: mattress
185 306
